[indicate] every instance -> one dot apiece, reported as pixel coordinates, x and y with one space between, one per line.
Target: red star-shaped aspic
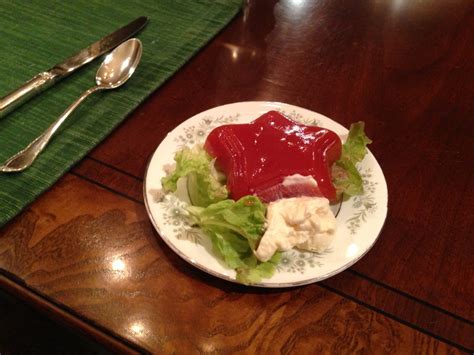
258 156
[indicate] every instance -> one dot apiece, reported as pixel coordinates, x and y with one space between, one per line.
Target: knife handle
25 92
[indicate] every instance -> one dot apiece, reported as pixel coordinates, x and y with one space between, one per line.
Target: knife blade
46 79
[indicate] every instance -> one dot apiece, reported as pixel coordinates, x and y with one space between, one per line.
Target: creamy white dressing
303 222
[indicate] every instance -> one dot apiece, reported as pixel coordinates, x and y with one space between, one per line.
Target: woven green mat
35 35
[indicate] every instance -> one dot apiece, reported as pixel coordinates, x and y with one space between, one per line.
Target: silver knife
46 79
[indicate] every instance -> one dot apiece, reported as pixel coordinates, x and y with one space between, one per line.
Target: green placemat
35 35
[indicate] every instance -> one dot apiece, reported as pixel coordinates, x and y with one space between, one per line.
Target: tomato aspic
274 157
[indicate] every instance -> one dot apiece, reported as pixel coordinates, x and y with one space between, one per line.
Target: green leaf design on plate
196 134
364 204
293 261
296 261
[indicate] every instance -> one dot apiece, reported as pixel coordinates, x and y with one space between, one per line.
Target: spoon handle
24 158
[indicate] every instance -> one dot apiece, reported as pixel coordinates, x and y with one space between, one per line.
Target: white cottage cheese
303 222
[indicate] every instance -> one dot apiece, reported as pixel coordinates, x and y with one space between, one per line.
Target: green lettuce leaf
346 177
255 271
204 185
235 229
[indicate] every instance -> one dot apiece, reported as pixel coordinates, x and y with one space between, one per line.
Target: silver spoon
117 68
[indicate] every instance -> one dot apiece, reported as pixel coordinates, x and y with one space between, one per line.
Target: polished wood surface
86 253
25 331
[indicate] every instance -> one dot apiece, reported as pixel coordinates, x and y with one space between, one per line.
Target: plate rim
227 277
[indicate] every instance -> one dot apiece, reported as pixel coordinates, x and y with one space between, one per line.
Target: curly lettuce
235 228
346 177
204 184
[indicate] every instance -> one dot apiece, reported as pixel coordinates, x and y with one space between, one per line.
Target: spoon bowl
117 67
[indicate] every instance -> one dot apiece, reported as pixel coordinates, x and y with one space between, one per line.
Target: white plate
359 220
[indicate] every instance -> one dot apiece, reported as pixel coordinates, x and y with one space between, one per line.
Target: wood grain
403 67
370 292
38 335
111 178
402 307
24 331
106 263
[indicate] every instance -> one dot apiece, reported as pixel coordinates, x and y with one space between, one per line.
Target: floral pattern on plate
196 134
359 219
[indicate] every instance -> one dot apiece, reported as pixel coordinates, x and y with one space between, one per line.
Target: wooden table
406 68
